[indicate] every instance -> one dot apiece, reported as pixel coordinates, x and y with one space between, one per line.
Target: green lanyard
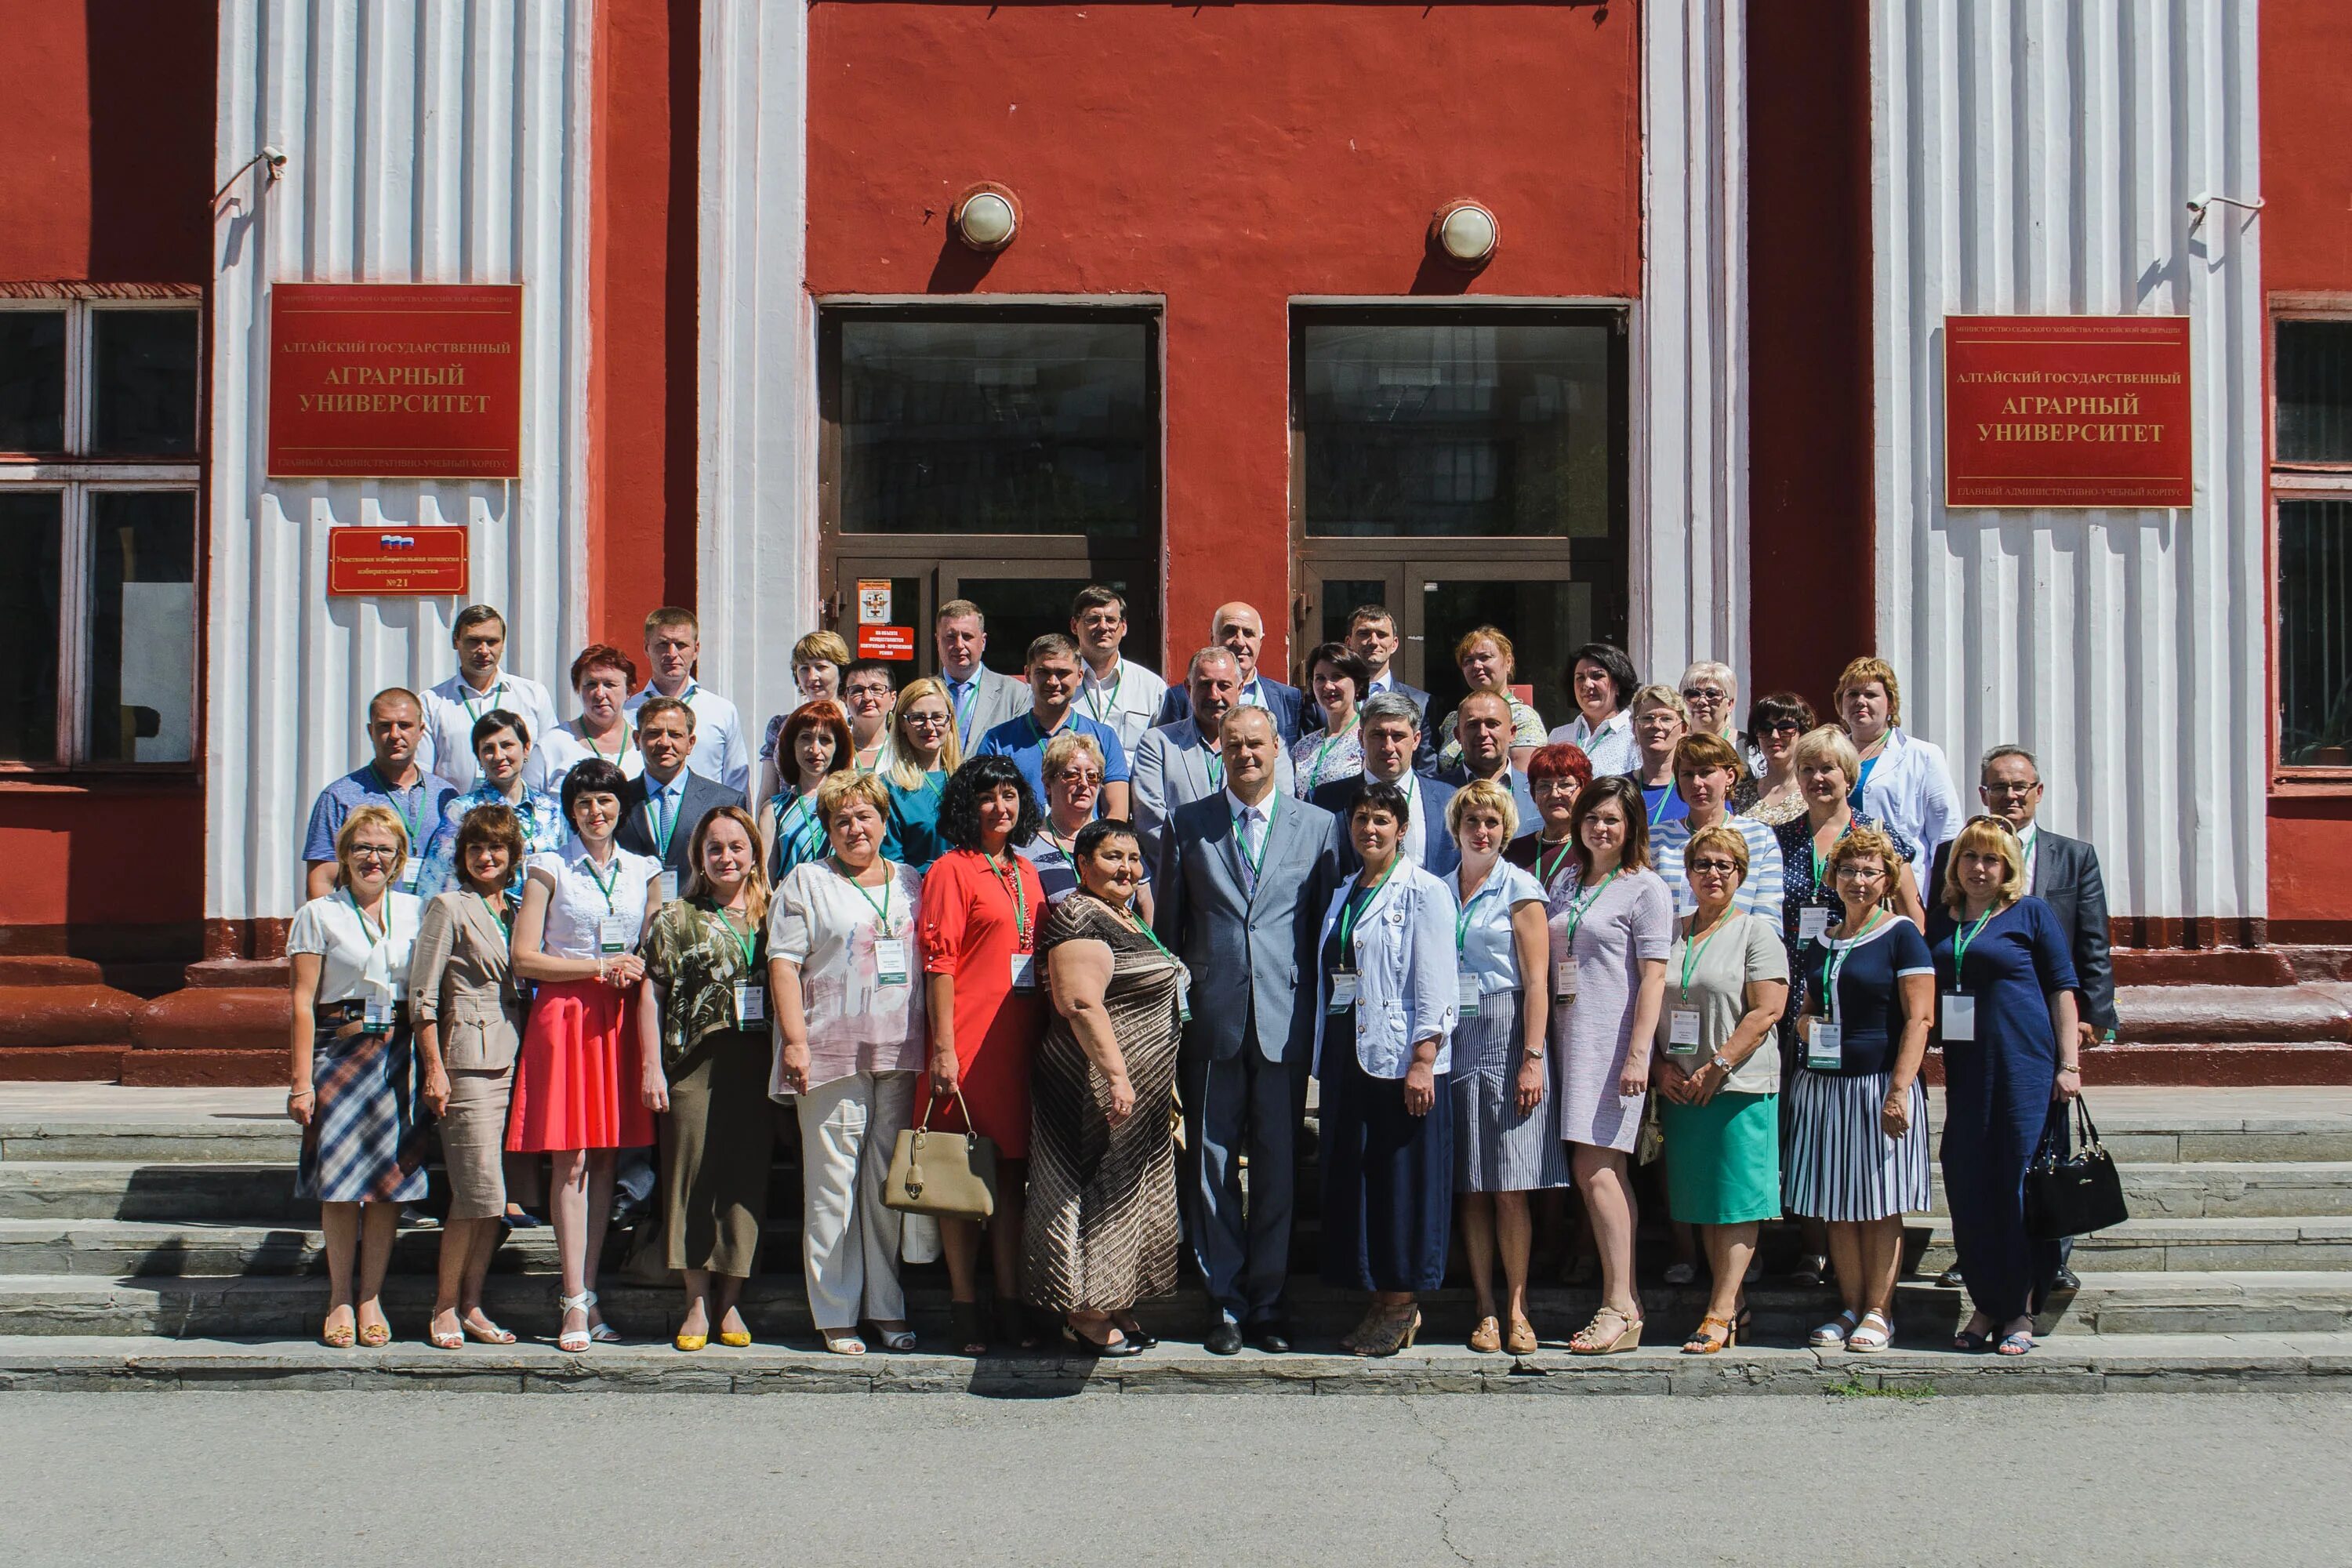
1834 963
1960 940
604 886
1216 764
1043 735
375 937
810 828
1009 878
399 806
1256 862
1151 936
492 910
882 910
1695 950
1462 916
1314 770
490 698
1546 871
1361 900
1578 908
1822 861
1094 701
1658 812
747 940
619 752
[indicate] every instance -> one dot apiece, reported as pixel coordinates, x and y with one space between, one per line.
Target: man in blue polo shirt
395 725
1054 674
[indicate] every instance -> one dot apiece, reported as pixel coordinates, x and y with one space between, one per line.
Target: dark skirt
365 1141
717 1142
1388 1175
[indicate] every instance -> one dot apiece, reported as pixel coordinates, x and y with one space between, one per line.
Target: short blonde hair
1062 748
821 648
841 787
1655 696
1714 670
1495 635
1723 836
1862 672
369 815
1483 794
1862 840
1827 743
1980 835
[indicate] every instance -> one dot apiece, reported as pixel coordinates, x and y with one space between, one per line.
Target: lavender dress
1632 918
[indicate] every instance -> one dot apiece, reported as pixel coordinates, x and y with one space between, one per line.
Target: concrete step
251 1141
2190 1246
135 1190
2191 1189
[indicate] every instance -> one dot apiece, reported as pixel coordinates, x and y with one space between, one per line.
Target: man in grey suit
661 808
1179 762
1244 877
980 698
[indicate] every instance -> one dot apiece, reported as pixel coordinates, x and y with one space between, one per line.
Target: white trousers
849 1241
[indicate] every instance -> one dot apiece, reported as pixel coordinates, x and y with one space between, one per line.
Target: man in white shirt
1177 764
454 706
1116 692
979 697
673 643
1241 632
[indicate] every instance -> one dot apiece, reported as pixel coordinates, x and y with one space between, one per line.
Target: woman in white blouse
602 678
356 1093
1904 782
1382 1037
577 1083
1601 679
845 974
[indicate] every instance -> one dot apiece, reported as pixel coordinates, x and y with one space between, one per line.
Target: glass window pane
32 531
992 427
142 626
2314 392
1495 427
1341 598
2315 599
1543 620
1020 607
32 380
144 373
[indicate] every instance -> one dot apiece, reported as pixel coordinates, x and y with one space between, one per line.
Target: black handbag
2073 1194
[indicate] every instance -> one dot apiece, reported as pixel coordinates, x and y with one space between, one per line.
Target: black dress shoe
1271 1338
2064 1280
1225 1339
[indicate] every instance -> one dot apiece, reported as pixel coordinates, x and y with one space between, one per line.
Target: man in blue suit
1392 737
1372 637
1240 631
1245 878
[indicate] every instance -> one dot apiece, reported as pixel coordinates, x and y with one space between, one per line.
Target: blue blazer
1285 702
1440 855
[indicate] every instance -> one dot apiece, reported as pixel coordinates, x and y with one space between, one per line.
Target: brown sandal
1590 1340
1395 1333
1487 1339
1702 1343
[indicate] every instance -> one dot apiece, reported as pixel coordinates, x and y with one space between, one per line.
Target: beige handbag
950 1174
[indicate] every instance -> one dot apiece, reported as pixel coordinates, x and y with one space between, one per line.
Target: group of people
1116 925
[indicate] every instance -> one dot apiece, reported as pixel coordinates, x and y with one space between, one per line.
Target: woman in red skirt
575 1091
982 907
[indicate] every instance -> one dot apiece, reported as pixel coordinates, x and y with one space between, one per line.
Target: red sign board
2066 411
886 642
420 562
395 380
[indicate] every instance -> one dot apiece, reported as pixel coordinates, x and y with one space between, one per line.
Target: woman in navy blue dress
2005 1014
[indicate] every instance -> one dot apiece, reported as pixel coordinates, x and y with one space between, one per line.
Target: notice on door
396 381
874 600
2067 411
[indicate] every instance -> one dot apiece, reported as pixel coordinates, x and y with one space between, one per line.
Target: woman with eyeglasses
1073 767
1711 694
1601 678
1659 724
1336 679
1774 726
922 752
2005 1019
1554 774
1717 1073
1857 1146
815 742
866 696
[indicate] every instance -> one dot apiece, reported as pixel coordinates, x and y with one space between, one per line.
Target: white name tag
751 1001
1813 923
1682 1033
376 1012
1466 985
890 960
1025 971
1563 979
1825 1046
1184 997
613 933
1959 1015
1343 990
669 887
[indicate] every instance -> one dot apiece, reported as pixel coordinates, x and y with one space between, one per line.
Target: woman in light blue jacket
1382 1037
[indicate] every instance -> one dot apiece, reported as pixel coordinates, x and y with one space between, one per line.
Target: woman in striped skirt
1857 1156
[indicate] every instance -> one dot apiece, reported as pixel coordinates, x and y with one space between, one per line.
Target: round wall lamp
1465 233
986 217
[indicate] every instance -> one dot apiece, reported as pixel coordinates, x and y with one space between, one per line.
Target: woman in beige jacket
468 1016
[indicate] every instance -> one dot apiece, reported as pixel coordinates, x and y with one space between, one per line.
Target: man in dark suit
661 808
1372 637
2063 873
1240 631
1244 879
1392 738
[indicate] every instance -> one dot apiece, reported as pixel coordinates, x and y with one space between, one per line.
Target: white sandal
1866 1338
602 1334
1832 1334
576 1341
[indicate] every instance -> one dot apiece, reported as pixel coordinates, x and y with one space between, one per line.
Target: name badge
1959 1015
1682 1033
613 933
1813 923
1184 997
751 1001
1025 971
1563 979
669 887
1825 1046
1465 984
375 1014
890 960
1343 991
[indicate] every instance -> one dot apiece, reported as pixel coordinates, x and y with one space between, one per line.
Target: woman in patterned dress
1336 679
1100 1232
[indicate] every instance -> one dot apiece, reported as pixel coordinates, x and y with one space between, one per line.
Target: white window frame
75 476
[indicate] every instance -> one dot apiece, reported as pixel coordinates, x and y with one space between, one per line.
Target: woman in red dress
982 907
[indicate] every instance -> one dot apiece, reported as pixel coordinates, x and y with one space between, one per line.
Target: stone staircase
181 1224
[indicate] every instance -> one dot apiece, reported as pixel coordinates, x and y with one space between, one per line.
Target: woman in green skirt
1718 1075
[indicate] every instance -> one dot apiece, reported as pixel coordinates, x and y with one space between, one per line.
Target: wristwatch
1535 1055
1716 1061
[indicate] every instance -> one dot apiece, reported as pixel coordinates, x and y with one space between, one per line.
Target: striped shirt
1759 894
